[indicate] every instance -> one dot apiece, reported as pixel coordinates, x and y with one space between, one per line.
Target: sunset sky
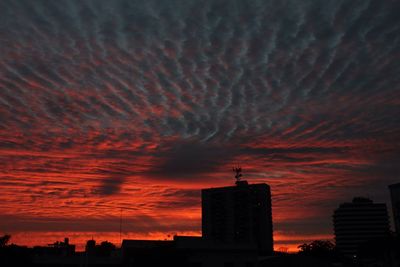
140 104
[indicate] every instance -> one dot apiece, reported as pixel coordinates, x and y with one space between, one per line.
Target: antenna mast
120 227
238 171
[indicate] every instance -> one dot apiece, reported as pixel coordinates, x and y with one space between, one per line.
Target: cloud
190 159
139 224
110 186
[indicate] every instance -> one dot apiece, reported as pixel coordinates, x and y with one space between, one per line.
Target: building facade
239 214
358 222
395 198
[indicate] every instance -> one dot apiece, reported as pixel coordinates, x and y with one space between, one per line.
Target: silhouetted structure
187 251
395 198
105 249
358 222
58 248
238 214
90 246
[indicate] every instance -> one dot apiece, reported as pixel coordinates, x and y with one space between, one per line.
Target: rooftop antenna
238 171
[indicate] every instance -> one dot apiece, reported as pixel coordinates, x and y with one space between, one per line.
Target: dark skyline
140 104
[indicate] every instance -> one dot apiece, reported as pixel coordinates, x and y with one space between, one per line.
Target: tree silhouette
4 240
317 248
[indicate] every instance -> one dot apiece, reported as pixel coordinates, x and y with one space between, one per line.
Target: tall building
358 222
395 197
238 214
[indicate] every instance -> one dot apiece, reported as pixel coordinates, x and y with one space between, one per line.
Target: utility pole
120 228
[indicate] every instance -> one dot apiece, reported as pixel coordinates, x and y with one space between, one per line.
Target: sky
127 109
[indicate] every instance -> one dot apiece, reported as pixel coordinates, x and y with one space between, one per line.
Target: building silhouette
395 198
187 251
358 222
239 214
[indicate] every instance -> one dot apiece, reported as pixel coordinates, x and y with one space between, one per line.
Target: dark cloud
110 186
190 160
139 224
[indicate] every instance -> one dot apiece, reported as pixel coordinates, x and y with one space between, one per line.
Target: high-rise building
395 197
238 214
358 222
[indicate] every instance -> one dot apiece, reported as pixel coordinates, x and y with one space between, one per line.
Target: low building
187 251
58 248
